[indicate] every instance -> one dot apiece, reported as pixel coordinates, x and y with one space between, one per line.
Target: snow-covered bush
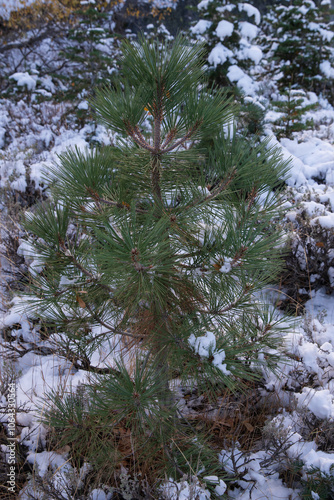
310 261
229 29
299 40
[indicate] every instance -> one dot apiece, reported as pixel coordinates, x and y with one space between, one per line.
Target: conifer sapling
154 253
292 107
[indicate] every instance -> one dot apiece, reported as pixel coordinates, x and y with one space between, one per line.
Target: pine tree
292 108
90 55
229 29
300 43
156 249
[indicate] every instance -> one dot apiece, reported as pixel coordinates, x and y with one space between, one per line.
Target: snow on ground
310 343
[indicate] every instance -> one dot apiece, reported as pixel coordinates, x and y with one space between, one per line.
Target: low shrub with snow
299 44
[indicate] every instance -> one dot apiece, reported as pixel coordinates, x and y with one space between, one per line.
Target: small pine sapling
153 253
292 108
89 53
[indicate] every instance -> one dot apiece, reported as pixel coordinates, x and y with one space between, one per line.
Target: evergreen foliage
229 30
90 54
300 43
318 484
292 108
155 250
83 54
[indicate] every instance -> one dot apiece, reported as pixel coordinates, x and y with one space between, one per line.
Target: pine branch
174 462
238 256
251 198
85 271
155 180
117 204
183 139
95 369
110 328
157 133
121 205
227 308
170 136
137 136
135 255
215 192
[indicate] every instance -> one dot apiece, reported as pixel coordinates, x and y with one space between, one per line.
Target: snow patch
219 55
224 29
25 80
201 27
320 403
